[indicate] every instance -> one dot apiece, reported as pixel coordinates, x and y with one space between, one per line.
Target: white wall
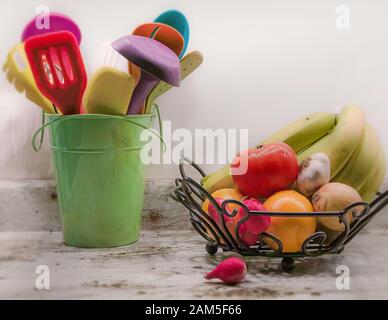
266 63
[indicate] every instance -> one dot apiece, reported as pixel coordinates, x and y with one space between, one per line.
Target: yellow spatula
189 63
109 91
19 73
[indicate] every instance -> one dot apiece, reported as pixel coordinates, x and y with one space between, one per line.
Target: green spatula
189 63
109 91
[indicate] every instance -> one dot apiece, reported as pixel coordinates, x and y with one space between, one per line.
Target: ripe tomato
270 168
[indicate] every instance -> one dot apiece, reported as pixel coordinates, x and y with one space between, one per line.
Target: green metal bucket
100 177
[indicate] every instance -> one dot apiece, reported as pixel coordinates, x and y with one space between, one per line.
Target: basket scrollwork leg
211 248
340 249
288 264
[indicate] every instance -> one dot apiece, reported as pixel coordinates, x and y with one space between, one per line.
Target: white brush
106 56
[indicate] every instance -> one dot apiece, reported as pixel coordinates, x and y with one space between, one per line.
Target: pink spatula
58 69
56 22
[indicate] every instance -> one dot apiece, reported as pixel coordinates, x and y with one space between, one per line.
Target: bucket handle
101 116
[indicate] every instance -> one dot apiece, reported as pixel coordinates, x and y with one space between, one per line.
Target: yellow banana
362 163
304 131
370 188
218 180
341 143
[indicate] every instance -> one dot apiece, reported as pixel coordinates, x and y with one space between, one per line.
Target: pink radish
231 271
250 230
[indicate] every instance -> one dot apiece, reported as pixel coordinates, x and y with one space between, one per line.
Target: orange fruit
291 231
224 194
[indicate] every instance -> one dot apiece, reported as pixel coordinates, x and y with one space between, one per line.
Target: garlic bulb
314 172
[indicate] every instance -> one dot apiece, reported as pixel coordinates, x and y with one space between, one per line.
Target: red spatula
58 69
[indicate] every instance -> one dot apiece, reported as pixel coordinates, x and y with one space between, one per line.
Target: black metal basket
191 194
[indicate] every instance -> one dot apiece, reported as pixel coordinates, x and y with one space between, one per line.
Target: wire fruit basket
191 194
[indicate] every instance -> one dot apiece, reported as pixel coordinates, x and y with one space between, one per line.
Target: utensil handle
144 87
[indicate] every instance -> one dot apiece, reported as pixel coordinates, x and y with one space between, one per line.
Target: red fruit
214 213
231 271
250 230
270 168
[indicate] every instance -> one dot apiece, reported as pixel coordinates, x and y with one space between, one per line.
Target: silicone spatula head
157 62
109 91
50 22
163 33
19 73
151 56
159 32
178 21
58 69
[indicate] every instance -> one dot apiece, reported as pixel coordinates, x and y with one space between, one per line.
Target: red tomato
270 168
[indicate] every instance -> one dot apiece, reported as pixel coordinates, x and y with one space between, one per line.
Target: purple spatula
157 62
55 22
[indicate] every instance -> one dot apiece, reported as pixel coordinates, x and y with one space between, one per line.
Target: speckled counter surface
170 265
168 262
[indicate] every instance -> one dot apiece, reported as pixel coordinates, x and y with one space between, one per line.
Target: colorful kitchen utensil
162 33
109 91
55 22
58 69
134 71
19 73
189 63
178 21
157 62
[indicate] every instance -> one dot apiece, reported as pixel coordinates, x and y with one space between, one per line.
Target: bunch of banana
353 147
